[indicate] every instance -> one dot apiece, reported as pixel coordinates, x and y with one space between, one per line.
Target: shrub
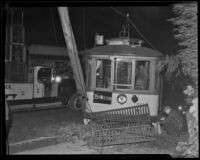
73 132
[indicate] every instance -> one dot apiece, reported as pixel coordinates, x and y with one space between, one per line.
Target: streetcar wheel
75 102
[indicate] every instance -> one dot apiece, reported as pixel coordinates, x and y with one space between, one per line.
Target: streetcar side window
124 75
142 76
103 73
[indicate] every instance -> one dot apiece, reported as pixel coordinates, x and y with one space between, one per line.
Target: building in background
15 49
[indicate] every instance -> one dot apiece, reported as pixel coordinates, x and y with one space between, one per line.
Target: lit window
103 73
124 75
142 77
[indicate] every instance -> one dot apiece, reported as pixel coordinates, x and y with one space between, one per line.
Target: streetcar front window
127 74
103 73
124 75
142 76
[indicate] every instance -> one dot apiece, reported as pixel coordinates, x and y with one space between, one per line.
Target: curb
36 108
32 144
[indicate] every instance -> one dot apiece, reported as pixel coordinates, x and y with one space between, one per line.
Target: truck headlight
58 79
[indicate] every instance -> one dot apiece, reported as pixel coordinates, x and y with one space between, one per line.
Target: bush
186 62
73 132
191 147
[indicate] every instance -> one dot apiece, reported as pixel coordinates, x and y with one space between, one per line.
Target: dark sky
43 25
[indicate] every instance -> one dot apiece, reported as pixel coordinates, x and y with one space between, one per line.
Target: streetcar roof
123 50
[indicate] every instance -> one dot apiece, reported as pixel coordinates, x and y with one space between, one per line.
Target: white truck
41 87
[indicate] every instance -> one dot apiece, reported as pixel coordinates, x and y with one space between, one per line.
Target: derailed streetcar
121 74
123 81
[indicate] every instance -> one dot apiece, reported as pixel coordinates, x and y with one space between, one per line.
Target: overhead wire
142 34
135 27
118 12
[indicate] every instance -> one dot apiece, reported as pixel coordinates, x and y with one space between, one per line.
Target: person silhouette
172 123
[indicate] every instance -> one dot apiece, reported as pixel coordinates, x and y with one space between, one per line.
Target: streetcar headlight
121 99
58 79
52 78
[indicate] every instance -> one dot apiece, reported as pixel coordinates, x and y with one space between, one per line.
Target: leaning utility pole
72 49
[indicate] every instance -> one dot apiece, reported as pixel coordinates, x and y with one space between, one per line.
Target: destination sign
102 97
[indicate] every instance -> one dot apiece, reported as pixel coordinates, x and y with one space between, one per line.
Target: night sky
43 26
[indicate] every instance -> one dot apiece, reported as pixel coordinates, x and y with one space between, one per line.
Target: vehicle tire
75 102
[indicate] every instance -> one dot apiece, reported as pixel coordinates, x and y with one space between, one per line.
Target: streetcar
122 73
123 86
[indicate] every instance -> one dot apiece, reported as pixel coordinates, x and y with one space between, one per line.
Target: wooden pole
72 49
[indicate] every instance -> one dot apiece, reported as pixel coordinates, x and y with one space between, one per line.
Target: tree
186 61
185 24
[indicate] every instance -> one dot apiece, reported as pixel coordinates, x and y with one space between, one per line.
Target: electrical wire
135 27
142 35
118 12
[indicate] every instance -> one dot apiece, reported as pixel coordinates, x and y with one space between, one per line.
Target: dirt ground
45 123
42 123
163 144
